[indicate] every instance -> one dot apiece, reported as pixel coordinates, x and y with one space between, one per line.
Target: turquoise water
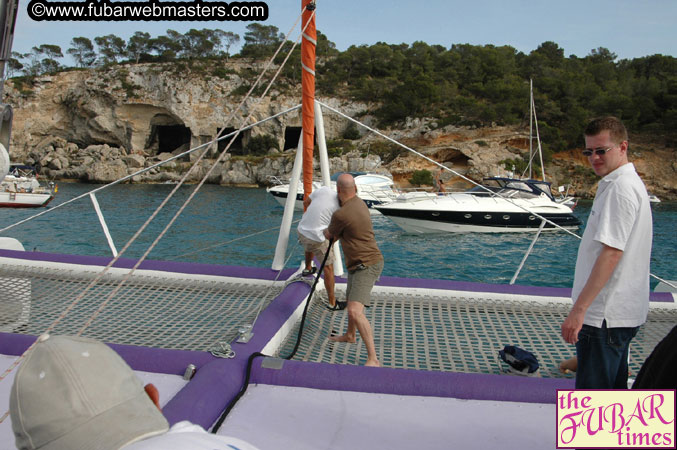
221 214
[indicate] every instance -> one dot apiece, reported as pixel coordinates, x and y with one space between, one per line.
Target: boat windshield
372 179
518 185
542 186
335 176
21 170
511 187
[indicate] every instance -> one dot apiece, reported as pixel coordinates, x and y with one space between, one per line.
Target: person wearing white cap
75 393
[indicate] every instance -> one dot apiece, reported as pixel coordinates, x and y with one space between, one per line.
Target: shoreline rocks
65 161
103 124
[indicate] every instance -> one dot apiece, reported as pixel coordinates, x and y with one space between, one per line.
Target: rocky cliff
101 125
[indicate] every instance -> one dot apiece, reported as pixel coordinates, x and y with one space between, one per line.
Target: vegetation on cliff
461 85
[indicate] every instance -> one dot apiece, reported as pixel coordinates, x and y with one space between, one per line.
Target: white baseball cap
75 393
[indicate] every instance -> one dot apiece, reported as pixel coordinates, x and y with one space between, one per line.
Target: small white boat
373 188
21 189
654 199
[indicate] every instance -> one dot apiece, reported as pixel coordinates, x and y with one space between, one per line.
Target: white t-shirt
186 436
324 201
620 218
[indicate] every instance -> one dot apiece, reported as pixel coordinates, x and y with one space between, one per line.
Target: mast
8 9
304 151
531 122
308 45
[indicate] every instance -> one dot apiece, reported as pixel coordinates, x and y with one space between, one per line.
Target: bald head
345 185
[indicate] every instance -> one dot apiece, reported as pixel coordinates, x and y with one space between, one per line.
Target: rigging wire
221 244
250 359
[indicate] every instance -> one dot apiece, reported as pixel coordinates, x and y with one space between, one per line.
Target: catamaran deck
418 324
427 332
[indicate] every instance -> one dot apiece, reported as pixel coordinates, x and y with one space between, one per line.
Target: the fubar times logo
615 418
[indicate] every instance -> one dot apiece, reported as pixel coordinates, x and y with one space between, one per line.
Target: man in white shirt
319 207
77 393
611 284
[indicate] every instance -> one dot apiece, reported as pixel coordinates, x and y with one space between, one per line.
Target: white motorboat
373 188
502 205
21 189
654 199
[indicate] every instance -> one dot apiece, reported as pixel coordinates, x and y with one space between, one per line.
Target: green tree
421 177
111 48
139 44
14 66
351 132
261 144
167 46
226 39
260 40
43 59
82 51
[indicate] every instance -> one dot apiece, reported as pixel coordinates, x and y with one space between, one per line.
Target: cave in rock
237 147
292 135
171 137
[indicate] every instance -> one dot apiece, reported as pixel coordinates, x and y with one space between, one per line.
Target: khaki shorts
360 283
317 248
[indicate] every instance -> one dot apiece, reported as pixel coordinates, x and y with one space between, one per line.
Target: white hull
468 213
21 189
24 200
298 204
373 189
416 226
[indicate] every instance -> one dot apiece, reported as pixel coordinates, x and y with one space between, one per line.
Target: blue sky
629 28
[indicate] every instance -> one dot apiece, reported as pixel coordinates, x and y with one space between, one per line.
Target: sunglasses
597 151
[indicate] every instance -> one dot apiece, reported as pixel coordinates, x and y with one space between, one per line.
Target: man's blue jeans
603 357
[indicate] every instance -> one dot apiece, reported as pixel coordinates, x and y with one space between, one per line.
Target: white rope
668 282
526 255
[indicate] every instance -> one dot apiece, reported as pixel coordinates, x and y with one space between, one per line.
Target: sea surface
239 226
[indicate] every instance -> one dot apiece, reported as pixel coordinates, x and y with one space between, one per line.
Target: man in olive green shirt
352 225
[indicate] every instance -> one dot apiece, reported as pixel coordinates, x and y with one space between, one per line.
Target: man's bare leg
350 335
363 326
568 365
309 261
357 320
329 284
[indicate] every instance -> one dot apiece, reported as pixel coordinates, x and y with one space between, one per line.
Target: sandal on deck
339 306
307 272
